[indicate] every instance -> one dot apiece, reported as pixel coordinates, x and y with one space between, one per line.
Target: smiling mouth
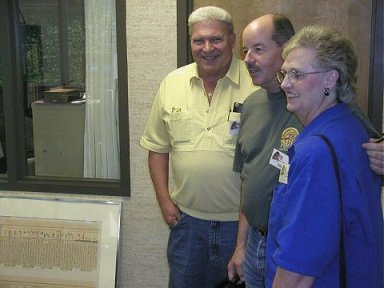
291 95
210 58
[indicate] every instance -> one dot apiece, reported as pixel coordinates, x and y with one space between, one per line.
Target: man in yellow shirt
194 123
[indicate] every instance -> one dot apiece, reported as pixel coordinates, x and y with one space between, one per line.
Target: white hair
210 13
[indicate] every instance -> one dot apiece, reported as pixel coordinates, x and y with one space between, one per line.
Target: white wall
151 37
152 51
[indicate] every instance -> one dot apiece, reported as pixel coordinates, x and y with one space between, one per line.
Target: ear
232 40
331 78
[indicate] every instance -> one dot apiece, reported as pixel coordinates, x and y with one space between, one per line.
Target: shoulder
182 72
311 147
256 97
344 130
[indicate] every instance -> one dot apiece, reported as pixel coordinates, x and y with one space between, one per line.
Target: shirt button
207 111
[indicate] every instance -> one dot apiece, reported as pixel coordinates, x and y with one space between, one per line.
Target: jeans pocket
178 223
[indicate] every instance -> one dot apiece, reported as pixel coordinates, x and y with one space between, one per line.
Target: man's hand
235 265
375 153
171 213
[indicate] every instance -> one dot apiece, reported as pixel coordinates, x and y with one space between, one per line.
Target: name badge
283 176
278 158
234 127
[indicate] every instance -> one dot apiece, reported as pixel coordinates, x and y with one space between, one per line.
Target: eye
217 39
197 41
293 74
258 50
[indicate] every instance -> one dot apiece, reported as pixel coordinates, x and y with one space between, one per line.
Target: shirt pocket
233 128
182 127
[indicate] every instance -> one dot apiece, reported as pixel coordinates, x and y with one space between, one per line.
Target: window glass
70 88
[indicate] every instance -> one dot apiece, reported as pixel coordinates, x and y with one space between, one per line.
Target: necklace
209 94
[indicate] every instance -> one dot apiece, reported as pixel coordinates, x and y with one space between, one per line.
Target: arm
375 153
235 265
374 150
159 170
287 279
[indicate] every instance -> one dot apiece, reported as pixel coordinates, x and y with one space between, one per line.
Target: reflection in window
70 86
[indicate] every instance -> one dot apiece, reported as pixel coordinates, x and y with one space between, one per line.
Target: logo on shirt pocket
181 126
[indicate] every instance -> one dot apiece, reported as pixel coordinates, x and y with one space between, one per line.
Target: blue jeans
254 265
199 251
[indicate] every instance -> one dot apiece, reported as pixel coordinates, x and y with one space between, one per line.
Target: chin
257 81
290 108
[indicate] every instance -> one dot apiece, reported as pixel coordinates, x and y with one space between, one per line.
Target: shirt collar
233 73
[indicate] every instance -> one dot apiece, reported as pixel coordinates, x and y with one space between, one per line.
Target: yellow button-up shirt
200 138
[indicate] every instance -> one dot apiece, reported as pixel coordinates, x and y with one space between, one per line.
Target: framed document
58 243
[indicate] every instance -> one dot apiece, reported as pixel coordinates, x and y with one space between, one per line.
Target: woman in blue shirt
303 244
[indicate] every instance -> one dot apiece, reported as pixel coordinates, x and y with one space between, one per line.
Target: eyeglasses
293 75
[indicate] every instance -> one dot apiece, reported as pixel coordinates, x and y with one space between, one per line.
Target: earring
326 91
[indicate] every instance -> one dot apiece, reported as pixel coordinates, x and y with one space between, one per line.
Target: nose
207 45
247 57
286 82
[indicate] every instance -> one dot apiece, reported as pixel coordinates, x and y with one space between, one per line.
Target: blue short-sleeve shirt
304 223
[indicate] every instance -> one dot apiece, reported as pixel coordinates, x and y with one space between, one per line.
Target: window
63 86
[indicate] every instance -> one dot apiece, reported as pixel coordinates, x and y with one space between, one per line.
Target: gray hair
334 51
210 13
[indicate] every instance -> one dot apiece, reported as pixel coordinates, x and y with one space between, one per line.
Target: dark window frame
376 70
16 178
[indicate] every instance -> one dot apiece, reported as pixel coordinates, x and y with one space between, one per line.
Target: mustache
252 66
